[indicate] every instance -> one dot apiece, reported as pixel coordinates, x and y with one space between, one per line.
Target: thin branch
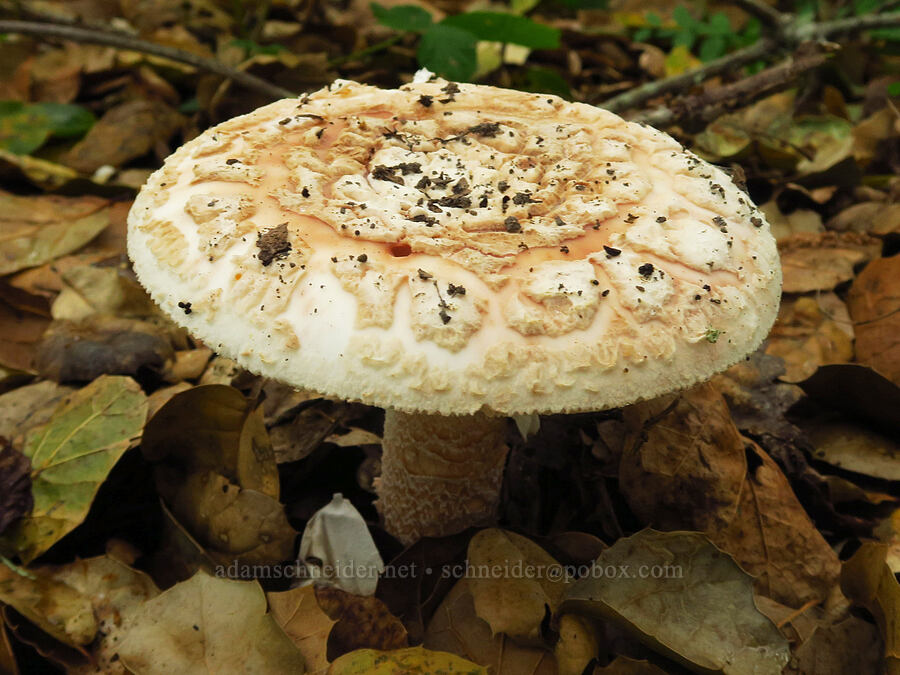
768 15
634 98
124 41
851 24
709 105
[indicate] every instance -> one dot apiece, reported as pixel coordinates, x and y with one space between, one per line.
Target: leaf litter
782 497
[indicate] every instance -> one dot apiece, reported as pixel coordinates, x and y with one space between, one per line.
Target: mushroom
455 254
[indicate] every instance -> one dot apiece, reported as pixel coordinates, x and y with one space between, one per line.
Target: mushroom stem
440 475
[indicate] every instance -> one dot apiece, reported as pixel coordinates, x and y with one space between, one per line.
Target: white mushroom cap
449 248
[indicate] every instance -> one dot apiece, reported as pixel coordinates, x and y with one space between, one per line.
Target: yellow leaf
411 661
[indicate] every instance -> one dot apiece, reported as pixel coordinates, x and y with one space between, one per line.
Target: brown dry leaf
456 628
27 407
819 262
410 661
37 229
221 371
299 615
855 448
58 609
179 555
88 290
163 395
514 601
20 335
227 436
208 625
870 134
125 132
694 471
874 303
868 580
697 608
15 485
810 332
622 665
79 351
800 221
46 280
873 218
231 523
850 646
363 622
577 645
115 591
189 364
7 657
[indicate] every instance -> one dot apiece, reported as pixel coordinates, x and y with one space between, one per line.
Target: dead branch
124 41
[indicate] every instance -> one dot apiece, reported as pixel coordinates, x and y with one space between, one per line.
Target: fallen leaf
116 592
806 336
819 262
20 335
872 217
29 406
7 657
188 364
71 456
854 448
695 471
874 304
856 391
363 622
227 436
40 172
850 646
577 646
303 621
15 485
58 609
125 132
229 522
513 582
208 625
456 628
622 665
88 290
868 580
684 598
410 661
37 229
80 351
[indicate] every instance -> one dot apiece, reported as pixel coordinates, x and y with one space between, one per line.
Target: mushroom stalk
440 474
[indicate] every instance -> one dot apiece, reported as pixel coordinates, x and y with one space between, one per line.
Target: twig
709 105
789 34
640 95
768 15
125 41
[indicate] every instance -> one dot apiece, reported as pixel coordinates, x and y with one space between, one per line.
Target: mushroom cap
451 247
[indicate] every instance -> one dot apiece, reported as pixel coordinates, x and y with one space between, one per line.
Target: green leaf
546 81
449 52
26 127
402 17
712 47
499 27
71 456
894 89
523 6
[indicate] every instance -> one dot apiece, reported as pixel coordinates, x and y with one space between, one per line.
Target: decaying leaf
58 609
819 262
868 580
299 615
363 622
208 625
29 406
230 522
20 335
79 351
456 628
849 646
410 661
514 583
622 665
807 335
88 290
855 448
684 598
577 645
695 471
7 657
34 230
856 391
15 485
874 303
72 455
227 435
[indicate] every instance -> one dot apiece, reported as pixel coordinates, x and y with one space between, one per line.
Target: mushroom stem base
440 475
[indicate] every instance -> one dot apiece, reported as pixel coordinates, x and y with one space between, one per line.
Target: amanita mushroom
455 253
